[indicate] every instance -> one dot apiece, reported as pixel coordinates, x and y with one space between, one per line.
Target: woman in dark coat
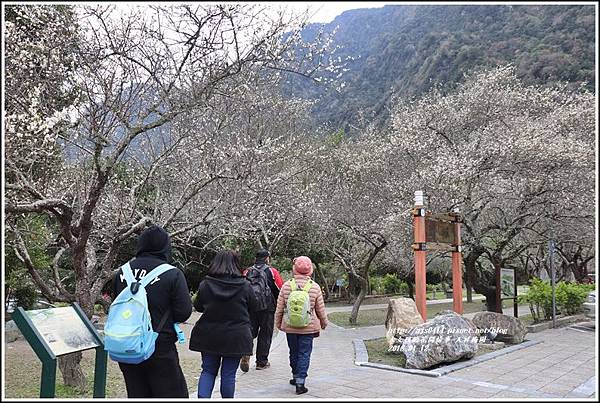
223 334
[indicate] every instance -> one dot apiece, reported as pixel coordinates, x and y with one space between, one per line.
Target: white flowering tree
352 209
118 117
515 160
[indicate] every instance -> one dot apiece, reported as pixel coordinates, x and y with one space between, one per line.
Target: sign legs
100 372
48 384
420 259
457 300
420 283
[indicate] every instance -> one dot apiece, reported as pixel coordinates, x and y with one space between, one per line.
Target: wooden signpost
54 332
436 232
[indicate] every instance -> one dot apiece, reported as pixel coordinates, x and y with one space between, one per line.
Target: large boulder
402 315
11 331
507 328
445 338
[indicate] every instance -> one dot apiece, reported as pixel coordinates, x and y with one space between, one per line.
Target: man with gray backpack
266 282
149 298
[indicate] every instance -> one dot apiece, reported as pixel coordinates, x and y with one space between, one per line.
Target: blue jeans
210 367
300 349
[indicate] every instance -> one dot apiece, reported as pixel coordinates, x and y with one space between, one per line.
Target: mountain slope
403 50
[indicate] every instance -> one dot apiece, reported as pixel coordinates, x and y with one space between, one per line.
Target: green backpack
297 310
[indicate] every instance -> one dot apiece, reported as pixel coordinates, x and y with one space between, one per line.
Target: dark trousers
300 349
210 367
262 326
158 376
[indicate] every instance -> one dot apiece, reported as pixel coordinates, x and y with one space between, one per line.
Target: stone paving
562 366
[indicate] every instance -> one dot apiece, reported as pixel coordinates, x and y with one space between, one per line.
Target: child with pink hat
300 339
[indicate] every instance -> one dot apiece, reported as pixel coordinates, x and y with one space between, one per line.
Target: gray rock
402 315
507 328
446 338
11 332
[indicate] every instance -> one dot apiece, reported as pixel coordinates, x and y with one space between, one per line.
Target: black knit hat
262 254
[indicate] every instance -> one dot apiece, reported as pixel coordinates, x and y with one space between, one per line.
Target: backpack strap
157 271
293 284
162 321
307 286
127 273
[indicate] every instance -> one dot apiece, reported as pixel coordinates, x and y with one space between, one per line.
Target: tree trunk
469 290
353 289
411 289
70 364
478 283
70 369
358 301
322 280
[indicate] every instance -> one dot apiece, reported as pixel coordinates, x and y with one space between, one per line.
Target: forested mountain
404 50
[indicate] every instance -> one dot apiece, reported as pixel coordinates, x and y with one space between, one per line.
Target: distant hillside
404 50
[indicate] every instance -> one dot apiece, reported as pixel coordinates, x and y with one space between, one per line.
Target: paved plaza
563 365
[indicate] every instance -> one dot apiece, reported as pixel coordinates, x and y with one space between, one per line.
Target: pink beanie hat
303 265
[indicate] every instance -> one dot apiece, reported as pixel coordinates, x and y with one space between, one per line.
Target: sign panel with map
507 283
62 329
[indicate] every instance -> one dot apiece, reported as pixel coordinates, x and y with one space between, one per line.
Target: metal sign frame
48 359
500 298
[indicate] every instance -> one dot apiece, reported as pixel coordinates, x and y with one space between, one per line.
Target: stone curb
362 359
560 322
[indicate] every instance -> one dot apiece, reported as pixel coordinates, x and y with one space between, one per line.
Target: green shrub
570 297
391 283
26 296
376 285
404 290
539 296
433 289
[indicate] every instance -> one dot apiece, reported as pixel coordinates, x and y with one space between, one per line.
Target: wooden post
420 254
457 302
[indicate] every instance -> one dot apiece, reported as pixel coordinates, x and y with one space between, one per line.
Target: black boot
292 381
300 389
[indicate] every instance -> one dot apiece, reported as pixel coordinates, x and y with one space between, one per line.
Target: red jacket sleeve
277 277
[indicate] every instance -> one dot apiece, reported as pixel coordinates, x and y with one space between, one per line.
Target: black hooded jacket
224 327
168 293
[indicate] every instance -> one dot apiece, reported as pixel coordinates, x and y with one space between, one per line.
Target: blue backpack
128 334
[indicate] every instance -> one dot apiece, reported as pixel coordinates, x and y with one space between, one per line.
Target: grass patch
374 300
378 353
373 317
23 369
367 317
526 319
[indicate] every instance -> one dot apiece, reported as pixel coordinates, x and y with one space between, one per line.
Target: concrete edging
362 359
563 321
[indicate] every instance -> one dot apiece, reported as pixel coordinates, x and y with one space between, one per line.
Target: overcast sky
326 11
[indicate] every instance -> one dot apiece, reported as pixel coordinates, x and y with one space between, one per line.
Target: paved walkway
562 366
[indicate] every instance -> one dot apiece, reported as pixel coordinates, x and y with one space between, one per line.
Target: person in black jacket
169 302
263 320
223 334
